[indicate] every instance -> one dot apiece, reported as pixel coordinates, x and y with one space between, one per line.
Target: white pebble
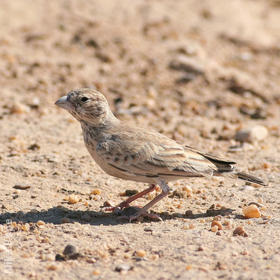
255 133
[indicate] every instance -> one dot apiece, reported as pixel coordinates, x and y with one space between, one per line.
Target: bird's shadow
60 215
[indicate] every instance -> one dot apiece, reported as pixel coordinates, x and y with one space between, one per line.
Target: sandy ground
197 71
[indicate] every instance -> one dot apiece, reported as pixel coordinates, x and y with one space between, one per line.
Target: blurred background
168 64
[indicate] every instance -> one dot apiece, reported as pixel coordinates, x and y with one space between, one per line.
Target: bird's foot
118 209
136 214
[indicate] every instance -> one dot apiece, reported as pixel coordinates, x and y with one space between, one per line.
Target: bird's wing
153 155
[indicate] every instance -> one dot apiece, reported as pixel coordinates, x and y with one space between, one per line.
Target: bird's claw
117 209
137 214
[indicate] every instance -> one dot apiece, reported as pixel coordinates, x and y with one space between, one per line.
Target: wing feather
153 154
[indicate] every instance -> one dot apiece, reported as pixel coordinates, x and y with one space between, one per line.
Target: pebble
188 267
186 78
52 267
130 192
96 272
240 231
69 250
186 64
178 194
251 211
107 203
140 253
216 224
189 213
65 220
3 248
214 228
90 260
253 134
95 192
19 109
247 188
21 187
72 199
40 223
123 267
59 258
187 189
34 147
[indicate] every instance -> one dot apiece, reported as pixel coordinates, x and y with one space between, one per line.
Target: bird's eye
84 99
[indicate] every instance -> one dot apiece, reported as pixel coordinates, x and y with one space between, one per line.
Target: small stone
72 199
95 192
25 227
220 266
186 78
65 220
107 204
103 57
187 189
3 248
34 147
69 250
130 192
227 224
251 211
240 231
189 213
214 228
52 267
247 188
12 138
90 260
19 109
35 103
123 267
253 134
140 253
40 223
186 64
21 187
59 258
96 272
154 257
191 226
188 267
216 223
178 194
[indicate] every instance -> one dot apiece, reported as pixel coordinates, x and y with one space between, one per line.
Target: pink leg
125 203
143 211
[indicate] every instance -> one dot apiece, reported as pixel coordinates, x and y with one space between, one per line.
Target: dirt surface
197 71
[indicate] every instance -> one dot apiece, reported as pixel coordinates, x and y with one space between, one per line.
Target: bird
138 154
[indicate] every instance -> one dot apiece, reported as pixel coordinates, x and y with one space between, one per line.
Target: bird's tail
226 168
250 178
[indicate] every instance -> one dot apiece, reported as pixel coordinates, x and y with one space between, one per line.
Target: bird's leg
143 211
125 203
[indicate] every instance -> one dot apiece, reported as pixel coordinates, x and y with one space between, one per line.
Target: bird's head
86 105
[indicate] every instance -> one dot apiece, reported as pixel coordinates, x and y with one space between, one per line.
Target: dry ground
197 71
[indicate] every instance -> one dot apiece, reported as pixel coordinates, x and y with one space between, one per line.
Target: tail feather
250 178
226 168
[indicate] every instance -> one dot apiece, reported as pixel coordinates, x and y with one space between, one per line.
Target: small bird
138 154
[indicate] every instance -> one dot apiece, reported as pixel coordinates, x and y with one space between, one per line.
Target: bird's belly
114 171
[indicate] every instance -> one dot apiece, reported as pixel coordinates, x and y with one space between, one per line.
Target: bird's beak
63 102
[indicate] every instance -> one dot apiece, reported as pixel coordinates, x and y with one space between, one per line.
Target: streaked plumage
139 154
